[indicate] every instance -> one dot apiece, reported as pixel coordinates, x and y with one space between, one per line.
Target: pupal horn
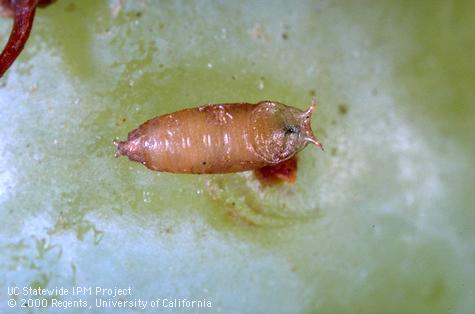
315 142
307 116
308 113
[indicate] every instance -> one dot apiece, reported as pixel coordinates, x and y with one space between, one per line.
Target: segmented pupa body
220 138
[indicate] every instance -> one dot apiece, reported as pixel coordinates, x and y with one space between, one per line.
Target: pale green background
382 222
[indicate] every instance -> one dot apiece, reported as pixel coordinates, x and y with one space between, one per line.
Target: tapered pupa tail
132 147
119 145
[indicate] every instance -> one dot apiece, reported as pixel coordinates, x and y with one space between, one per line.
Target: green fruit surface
383 221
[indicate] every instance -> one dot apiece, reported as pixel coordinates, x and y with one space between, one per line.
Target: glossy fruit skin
220 138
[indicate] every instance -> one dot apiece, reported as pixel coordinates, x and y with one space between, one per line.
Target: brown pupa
220 138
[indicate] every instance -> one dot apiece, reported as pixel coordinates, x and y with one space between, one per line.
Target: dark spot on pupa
285 36
291 129
342 109
333 151
203 163
312 92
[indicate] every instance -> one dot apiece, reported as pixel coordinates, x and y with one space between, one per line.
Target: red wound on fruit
284 172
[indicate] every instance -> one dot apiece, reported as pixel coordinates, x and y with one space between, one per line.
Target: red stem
24 11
